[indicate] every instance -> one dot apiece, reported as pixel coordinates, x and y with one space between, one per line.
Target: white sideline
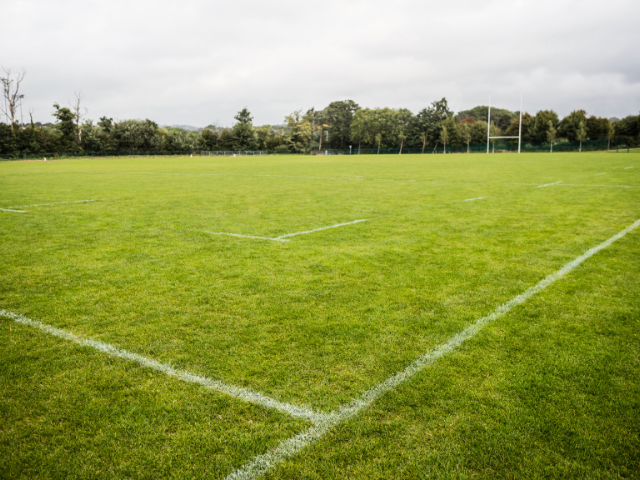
287 448
471 199
283 238
230 390
58 203
549 184
598 174
14 211
627 168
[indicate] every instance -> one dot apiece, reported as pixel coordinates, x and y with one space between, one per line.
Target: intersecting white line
283 238
230 390
321 228
13 211
549 184
287 448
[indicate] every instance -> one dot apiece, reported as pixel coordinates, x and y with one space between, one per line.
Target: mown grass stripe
287 448
230 390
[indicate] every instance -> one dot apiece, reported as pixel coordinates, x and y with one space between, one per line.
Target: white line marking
627 168
283 238
246 236
549 184
587 185
58 203
14 211
318 229
471 199
287 448
393 179
598 174
582 185
233 391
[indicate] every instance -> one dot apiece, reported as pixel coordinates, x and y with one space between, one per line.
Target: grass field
278 347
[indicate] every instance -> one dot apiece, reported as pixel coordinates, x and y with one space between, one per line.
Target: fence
494 147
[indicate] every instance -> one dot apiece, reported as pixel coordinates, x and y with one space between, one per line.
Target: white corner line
261 464
598 174
13 211
471 199
240 393
549 184
627 168
319 229
59 203
245 236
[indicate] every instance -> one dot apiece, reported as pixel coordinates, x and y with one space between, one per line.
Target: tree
551 134
581 134
67 127
568 127
339 116
362 126
428 121
11 94
378 141
79 113
501 117
245 135
542 120
299 132
611 132
424 141
208 140
402 138
444 136
466 134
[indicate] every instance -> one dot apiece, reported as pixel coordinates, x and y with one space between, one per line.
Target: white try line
627 168
580 185
549 184
598 174
230 390
287 448
58 203
283 238
472 199
13 211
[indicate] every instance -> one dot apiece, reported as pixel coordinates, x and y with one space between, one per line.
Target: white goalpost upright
489 137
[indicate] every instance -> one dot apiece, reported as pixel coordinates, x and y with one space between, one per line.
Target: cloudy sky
198 62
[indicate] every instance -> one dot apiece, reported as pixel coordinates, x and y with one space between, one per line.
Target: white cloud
196 62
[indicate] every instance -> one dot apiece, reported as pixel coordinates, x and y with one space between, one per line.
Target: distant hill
183 127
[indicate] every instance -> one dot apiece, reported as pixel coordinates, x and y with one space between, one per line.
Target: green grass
551 390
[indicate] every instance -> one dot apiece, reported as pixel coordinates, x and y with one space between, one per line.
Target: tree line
338 126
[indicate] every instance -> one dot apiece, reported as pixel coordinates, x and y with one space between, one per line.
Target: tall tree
428 120
67 126
243 131
79 112
611 132
466 134
568 127
444 137
581 133
339 116
299 132
551 134
11 95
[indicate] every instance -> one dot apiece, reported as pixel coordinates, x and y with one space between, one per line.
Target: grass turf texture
550 390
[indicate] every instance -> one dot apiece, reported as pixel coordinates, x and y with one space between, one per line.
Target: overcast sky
198 62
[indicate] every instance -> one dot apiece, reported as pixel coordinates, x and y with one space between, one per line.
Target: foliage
339 115
244 135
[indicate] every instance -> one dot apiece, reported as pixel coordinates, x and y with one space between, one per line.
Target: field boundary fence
495 147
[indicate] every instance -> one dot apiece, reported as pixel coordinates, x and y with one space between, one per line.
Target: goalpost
489 137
